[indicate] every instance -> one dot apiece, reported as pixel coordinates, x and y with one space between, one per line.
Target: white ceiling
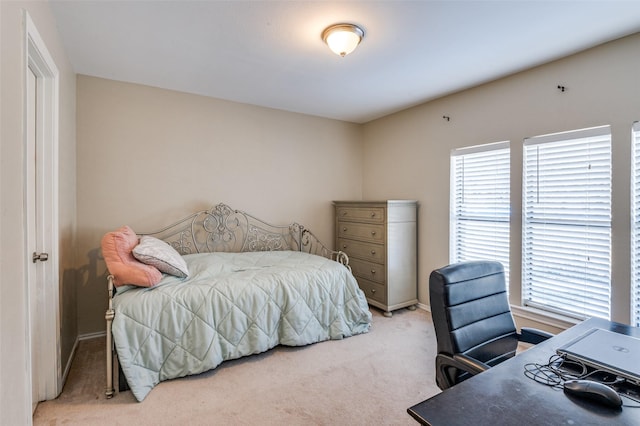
270 53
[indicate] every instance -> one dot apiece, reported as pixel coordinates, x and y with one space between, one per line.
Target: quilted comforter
232 305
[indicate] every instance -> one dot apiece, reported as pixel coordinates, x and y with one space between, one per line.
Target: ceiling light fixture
343 38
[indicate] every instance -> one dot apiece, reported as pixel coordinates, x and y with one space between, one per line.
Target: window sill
550 319
559 322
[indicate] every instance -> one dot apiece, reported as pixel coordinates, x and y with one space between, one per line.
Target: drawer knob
373 272
373 214
373 232
344 229
344 213
344 246
373 252
373 290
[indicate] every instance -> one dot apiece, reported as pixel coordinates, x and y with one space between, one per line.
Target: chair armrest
533 335
470 365
446 365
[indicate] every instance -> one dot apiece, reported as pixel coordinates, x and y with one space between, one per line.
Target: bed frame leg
109 391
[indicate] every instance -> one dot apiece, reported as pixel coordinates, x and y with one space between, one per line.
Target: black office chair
473 322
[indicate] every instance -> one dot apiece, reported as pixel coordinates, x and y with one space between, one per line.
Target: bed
236 286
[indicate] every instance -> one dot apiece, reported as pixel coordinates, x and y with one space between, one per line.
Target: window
635 228
480 204
567 222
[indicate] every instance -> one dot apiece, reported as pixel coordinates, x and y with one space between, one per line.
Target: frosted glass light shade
343 38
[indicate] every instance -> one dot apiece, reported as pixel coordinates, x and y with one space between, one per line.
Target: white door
32 229
41 217
36 242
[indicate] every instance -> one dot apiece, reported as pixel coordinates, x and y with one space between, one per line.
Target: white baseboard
89 336
67 367
424 307
72 355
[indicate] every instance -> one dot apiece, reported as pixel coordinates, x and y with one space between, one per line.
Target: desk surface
503 395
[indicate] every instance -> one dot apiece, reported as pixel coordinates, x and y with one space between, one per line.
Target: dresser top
376 202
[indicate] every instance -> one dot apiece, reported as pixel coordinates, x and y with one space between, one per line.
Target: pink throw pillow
117 247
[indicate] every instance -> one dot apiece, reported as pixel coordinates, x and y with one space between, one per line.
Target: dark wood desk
503 395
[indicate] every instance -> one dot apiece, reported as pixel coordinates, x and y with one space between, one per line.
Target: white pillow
155 252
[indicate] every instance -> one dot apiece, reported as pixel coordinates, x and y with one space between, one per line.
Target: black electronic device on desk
594 391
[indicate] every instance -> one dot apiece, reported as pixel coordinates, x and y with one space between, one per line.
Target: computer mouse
595 391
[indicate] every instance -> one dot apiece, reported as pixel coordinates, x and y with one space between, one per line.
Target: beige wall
406 155
14 361
148 157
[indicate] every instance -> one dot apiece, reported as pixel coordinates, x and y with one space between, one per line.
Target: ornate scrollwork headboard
223 229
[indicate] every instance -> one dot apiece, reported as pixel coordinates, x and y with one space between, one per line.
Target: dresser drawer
367 251
361 231
373 290
364 214
369 270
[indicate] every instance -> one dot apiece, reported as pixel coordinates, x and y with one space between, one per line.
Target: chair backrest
471 312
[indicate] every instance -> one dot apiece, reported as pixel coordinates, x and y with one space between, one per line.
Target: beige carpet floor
362 380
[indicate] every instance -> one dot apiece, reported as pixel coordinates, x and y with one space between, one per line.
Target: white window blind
480 204
635 228
567 222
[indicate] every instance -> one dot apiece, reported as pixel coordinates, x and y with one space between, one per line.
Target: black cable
551 373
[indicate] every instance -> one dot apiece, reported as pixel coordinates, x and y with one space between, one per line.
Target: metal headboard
223 229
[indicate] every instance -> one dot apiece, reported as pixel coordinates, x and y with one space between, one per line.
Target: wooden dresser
380 238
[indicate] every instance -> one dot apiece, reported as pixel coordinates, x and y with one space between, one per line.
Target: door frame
39 60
